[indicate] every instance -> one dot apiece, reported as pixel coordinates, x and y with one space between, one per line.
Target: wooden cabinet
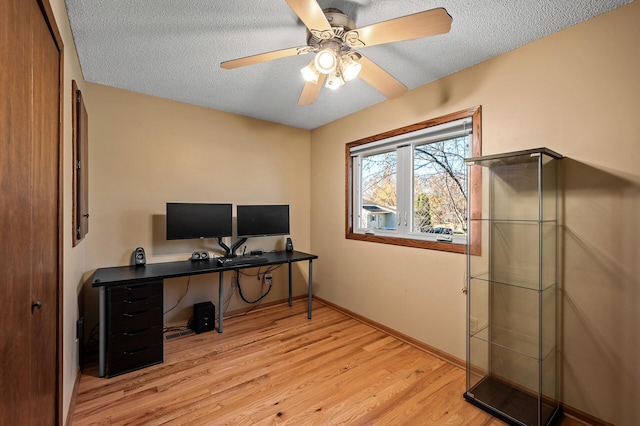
134 327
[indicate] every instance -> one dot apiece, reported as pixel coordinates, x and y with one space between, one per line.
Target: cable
91 345
227 301
235 285
263 284
180 300
270 268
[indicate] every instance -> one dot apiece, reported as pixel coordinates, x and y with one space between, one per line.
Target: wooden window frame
475 185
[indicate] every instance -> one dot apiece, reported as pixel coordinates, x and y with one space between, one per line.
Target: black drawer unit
134 327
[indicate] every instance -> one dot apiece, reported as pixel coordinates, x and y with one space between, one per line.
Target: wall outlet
473 324
268 280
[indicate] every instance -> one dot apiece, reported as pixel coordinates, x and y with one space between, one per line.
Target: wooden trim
475 178
391 332
408 242
47 11
581 416
474 209
74 398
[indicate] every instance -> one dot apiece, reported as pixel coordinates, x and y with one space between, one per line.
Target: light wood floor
273 366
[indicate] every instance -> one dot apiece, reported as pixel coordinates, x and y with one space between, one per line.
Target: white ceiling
173 48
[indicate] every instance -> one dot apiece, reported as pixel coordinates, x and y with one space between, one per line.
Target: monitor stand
231 251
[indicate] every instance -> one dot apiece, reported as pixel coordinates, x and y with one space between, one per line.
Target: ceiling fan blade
262 57
311 14
381 80
310 91
418 25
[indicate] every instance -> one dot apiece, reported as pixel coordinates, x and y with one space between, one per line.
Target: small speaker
200 255
289 245
204 317
139 258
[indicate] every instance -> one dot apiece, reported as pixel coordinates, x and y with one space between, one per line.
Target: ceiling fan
333 38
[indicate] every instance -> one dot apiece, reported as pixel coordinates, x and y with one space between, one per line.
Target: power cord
182 297
265 281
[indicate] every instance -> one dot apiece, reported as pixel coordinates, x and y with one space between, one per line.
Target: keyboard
241 260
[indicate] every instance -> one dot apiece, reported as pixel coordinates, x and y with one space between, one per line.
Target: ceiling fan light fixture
334 81
326 61
310 73
350 68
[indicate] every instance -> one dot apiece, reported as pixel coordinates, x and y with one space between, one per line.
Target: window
409 186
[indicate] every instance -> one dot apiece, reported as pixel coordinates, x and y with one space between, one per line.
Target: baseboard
582 417
394 333
252 308
74 397
567 411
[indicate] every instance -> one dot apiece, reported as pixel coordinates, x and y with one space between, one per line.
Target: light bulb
310 73
334 81
350 68
326 61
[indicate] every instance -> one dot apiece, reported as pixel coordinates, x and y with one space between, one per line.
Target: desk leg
310 287
290 287
102 332
220 299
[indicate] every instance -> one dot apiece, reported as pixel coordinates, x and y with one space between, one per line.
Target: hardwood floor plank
274 366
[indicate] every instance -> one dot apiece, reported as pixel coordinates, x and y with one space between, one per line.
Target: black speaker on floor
204 317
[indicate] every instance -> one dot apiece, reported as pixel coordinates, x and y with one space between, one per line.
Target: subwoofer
204 317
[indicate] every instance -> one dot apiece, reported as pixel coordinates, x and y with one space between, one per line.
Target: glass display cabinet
512 288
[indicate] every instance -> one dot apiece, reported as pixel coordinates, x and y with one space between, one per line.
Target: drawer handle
135 351
139 299
135 314
134 287
133 333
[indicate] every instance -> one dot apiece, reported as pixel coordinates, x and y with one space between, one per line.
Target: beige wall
146 151
73 258
575 92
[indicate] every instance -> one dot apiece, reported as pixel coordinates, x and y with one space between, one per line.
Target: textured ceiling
173 48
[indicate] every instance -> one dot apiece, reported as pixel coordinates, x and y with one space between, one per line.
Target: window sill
408 242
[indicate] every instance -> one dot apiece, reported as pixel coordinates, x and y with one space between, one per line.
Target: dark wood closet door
29 182
44 222
15 216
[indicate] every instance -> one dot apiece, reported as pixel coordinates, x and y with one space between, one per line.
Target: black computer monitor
199 220
262 220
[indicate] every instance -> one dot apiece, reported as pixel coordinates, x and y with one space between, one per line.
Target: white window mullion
357 193
403 208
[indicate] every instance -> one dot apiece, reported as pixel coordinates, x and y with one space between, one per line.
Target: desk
109 278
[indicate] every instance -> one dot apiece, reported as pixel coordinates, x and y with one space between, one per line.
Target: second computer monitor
262 220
